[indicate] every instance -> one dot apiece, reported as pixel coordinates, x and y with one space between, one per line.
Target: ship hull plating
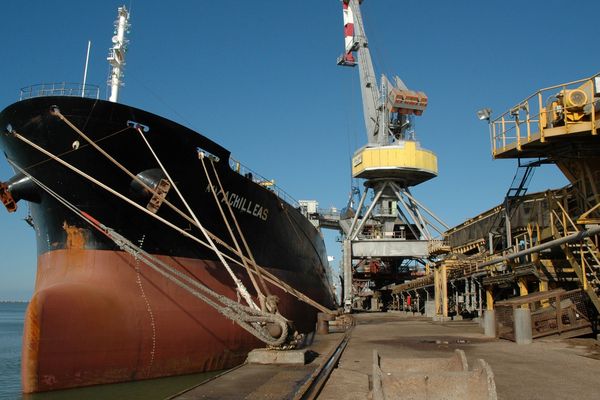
98 315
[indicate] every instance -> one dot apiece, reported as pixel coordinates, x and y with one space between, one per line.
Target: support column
507 224
543 287
440 292
455 290
430 308
444 283
473 295
480 300
535 257
489 317
437 291
467 294
522 321
489 298
418 301
522 287
347 264
523 291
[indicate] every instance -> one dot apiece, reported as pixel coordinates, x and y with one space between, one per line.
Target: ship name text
242 204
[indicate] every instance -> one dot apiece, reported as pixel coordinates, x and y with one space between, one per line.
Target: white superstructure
116 55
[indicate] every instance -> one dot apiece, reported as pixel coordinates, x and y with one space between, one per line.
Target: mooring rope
240 286
258 270
55 111
271 278
250 319
211 245
239 231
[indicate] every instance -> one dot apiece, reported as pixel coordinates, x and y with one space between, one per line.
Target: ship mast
116 54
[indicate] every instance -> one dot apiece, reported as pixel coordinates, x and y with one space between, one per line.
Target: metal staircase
513 199
583 256
523 175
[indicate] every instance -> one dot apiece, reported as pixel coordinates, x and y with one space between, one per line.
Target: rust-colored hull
98 316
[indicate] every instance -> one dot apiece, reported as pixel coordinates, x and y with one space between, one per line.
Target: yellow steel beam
489 298
523 291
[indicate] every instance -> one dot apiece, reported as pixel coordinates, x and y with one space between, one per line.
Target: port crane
395 228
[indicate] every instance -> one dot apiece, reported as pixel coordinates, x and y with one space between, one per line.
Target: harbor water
11 332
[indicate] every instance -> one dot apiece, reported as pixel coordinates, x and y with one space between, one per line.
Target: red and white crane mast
395 228
356 41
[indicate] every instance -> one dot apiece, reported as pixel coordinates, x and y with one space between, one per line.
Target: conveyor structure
531 243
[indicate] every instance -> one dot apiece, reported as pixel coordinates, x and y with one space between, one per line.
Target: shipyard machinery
395 229
549 247
560 125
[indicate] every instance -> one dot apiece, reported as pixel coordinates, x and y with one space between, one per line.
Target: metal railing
60 89
554 312
262 181
543 110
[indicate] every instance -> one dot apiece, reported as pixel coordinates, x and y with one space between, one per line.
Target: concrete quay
551 368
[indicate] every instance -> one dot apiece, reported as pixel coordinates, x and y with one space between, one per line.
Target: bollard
522 318
322 323
489 323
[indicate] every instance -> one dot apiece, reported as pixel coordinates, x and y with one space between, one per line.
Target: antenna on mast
85 69
116 54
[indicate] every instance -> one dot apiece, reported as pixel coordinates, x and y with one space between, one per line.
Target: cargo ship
109 187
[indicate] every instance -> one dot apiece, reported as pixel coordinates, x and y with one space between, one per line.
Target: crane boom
356 40
386 108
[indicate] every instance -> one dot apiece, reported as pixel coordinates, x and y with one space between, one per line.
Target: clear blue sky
260 78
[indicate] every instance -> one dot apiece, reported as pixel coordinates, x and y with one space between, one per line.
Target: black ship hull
97 314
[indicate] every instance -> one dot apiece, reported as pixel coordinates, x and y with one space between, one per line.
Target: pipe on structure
442 297
553 243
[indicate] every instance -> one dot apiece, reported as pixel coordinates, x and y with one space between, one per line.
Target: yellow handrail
550 107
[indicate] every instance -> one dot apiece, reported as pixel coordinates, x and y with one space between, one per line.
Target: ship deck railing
543 115
60 89
262 181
